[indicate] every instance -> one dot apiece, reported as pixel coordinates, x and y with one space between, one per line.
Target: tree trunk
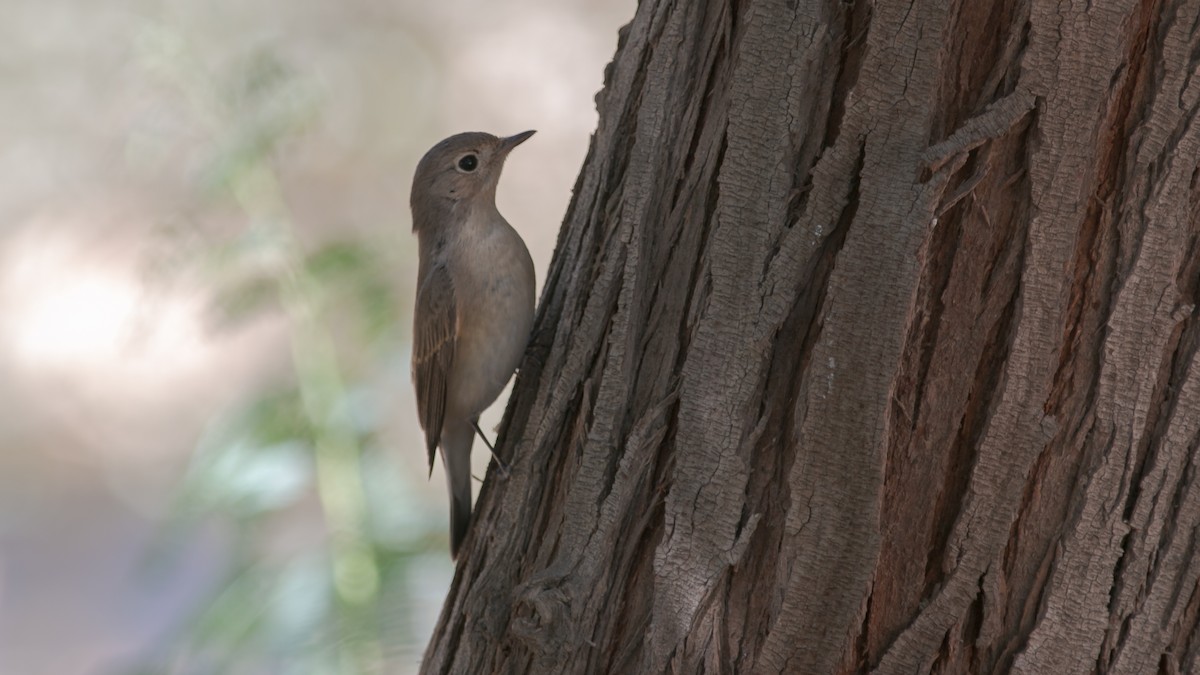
870 344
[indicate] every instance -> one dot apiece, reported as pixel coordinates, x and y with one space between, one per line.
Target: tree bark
870 344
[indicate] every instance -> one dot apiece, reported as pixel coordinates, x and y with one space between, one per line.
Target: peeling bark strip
870 344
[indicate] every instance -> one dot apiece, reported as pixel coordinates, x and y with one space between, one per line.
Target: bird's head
463 167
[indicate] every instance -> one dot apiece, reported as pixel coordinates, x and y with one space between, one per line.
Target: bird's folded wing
433 351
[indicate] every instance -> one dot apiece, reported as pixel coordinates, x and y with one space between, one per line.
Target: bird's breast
494 291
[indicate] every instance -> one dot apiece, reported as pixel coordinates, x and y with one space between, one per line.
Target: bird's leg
499 462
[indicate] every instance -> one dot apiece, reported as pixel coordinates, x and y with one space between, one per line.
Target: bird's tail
460 520
456 456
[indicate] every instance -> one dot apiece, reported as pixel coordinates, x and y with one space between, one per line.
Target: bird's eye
468 163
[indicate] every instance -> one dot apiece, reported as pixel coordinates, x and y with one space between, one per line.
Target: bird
474 303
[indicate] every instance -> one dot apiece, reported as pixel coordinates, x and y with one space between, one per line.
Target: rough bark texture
870 345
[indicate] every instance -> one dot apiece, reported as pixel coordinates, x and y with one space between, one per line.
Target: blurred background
209 455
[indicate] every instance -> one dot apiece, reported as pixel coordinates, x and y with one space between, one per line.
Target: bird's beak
507 144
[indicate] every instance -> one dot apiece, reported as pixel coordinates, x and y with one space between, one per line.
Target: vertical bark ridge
832 532
1105 540
704 508
963 313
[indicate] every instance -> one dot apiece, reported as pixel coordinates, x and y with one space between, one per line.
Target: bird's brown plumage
433 351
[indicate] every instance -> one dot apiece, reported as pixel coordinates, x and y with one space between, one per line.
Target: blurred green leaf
339 262
273 104
257 461
237 611
400 522
380 310
352 268
300 602
276 417
234 306
260 75
245 480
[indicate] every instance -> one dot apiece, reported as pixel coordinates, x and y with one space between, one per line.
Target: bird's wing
433 351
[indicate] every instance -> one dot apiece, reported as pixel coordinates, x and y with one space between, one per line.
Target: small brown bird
474 308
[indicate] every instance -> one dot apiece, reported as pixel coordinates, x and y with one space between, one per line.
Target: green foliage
259 462
308 443
240 301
